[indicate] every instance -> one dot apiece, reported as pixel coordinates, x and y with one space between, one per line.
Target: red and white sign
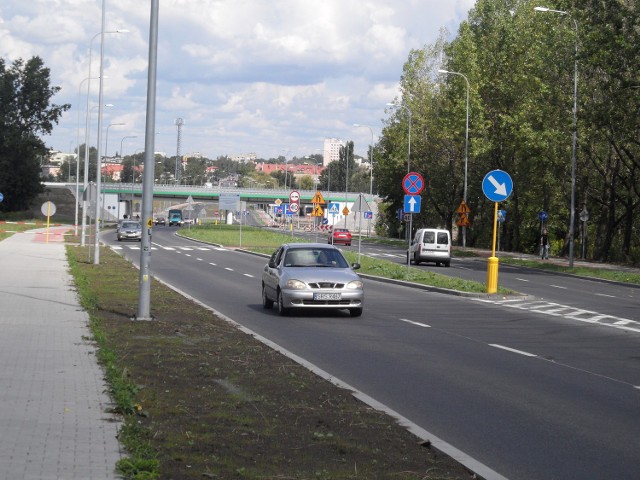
294 207
412 183
294 196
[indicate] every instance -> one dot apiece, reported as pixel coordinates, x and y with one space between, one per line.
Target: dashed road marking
415 323
513 350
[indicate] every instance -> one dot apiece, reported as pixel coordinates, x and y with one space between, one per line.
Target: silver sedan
311 275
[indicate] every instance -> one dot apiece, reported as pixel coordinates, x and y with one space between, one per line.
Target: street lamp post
466 151
86 132
123 139
398 105
86 171
370 158
574 140
78 158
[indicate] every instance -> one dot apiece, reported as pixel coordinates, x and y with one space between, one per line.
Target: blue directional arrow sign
497 185
412 203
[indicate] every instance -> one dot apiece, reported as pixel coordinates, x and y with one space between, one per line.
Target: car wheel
355 312
267 303
416 259
282 310
447 264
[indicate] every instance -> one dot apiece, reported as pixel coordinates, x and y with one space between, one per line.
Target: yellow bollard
492 275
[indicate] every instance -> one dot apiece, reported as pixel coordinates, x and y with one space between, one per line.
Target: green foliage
25 114
520 66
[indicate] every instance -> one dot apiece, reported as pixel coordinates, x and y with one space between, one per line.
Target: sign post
412 184
48 209
497 186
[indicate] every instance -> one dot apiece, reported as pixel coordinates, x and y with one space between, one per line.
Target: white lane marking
558 286
187 254
116 247
605 295
230 269
415 323
214 264
513 350
568 312
463 268
186 248
247 275
522 279
168 248
199 259
203 248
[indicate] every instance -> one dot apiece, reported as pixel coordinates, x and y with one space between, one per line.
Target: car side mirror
272 263
355 266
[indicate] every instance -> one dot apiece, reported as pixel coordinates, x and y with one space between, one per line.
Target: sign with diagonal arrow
497 185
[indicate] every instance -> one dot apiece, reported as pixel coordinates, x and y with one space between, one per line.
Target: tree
25 113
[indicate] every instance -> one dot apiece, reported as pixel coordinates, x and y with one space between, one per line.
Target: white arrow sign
412 204
501 188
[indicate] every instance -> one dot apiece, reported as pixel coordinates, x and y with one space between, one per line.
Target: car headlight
296 284
355 285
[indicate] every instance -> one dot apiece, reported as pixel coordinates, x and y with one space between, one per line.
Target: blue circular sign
543 216
497 185
1 197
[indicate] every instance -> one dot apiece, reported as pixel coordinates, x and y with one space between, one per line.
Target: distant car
129 230
431 245
340 235
311 275
160 221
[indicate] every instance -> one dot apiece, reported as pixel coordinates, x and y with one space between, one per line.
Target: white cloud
245 75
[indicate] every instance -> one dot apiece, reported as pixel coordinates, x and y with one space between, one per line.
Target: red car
340 235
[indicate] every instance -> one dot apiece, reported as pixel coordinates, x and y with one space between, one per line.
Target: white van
431 245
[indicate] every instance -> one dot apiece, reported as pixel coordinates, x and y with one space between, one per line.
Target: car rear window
443 238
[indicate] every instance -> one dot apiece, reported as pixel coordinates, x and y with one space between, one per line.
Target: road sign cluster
412 184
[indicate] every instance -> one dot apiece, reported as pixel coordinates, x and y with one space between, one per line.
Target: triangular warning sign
317 211
463 208
317 198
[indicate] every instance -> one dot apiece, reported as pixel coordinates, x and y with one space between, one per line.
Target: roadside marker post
497 186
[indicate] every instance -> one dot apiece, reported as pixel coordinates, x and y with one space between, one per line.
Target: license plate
326 296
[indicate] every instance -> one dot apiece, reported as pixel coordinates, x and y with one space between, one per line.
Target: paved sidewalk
53 420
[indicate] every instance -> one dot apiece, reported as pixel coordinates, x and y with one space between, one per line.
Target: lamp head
541 9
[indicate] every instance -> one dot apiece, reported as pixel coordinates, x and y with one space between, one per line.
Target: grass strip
142 463
261 240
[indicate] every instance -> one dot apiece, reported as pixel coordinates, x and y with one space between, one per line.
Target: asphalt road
529 394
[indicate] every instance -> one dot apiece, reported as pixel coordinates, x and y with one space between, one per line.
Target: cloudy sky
273 77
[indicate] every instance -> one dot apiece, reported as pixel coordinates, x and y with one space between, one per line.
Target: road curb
405 283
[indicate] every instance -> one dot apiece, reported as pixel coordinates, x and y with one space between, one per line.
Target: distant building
331 150
245 158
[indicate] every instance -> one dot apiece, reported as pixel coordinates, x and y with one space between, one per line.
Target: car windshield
315 257
131 225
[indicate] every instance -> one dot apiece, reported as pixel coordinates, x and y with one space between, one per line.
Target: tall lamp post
86 132
370 158
86 171
574 140
400 105
466 151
